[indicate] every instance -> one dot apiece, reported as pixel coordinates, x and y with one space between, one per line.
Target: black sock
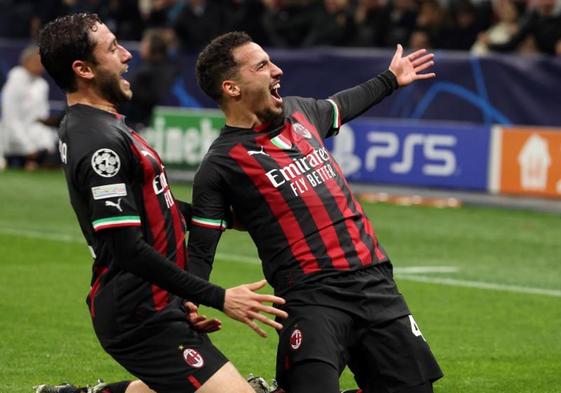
116 387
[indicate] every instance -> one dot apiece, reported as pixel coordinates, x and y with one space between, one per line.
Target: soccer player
134 227
317 247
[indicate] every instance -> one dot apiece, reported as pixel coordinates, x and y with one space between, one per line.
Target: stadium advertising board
182 136
417 154
528 161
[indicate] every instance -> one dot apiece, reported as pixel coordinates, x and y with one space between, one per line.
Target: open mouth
124 71
275 93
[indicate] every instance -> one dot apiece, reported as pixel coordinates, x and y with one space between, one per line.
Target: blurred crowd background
167 35
525 26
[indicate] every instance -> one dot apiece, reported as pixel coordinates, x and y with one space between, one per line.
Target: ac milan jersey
116 180
287 190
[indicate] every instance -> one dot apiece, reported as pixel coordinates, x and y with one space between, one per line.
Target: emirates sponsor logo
193 358
296 339
304 173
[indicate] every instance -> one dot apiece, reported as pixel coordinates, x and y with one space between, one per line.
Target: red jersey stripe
315 206
288 222
95 288
154 215
335 189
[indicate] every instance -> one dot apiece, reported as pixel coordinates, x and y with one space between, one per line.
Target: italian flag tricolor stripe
336 116
281 142
112 222
208 223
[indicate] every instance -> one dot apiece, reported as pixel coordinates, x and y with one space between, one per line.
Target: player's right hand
243 304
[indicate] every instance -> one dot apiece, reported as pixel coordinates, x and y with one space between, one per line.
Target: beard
110 88
271 116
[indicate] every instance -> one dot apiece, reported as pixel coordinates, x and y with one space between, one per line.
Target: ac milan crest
296 339
301 130
193 358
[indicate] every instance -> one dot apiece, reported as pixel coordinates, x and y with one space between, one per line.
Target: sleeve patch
336 116
114 222
209 223
106 163
109 191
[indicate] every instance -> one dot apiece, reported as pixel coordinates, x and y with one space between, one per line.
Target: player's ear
83 69
230 89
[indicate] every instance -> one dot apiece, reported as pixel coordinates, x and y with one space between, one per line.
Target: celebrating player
134 227
317 247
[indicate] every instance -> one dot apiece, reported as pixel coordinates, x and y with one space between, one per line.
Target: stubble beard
110 89
270 116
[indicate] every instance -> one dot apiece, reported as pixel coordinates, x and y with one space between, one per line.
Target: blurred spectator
124 19
370 23
198 22
247 15
331 26
464 27
403 20
29 140
287 22
159 13
542 24
508 13
433 23
15 18
153 78
421 38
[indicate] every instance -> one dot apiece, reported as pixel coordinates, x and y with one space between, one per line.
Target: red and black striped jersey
285 187
115 179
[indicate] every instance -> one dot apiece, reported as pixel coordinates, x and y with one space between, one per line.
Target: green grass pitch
486 292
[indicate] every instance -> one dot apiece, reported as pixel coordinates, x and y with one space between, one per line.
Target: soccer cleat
258 384
62 388
98 388
352 391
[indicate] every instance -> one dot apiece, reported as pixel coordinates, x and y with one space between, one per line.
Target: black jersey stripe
364 221
277 204
336 198
362 240
317 212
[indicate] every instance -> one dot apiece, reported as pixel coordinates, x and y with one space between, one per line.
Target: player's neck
235 117
91 100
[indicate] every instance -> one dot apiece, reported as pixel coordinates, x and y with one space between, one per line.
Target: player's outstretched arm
243 304
409 69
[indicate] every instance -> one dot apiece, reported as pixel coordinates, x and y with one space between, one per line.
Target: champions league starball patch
106 163
193 358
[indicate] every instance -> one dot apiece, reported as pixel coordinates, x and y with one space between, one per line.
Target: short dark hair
65 40
216 62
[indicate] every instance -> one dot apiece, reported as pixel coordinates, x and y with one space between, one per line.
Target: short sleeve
104 176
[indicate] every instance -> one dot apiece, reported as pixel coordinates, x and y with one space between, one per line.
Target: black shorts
360 320
170 358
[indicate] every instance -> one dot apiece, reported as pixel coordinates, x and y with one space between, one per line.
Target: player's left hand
408 69
201 322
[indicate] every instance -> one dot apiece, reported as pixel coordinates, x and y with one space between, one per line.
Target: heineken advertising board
182 136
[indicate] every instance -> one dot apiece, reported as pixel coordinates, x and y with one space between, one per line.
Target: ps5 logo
436 149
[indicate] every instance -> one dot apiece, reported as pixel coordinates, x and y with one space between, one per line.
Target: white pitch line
481 285
42 235
403 273
397 270
425 269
